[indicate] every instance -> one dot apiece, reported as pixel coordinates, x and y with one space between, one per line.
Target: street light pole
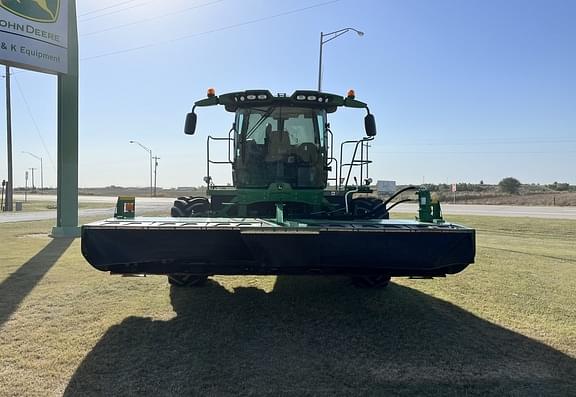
156 158
320 63
33 186
41 169
150 154
26 188
331 36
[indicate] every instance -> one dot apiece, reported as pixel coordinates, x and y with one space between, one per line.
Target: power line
34 122
150 19
106 8
459 152
502 142
116 11
189 36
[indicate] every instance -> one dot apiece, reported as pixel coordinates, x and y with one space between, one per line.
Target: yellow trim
56 14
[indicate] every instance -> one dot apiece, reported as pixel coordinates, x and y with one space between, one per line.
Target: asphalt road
147 204
143 205
501 210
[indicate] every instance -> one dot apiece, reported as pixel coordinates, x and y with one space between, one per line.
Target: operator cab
282 139
280 144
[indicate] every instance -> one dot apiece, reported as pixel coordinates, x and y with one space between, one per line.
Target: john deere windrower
293 208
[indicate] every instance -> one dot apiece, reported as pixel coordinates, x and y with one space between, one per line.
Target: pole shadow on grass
318 336
18 285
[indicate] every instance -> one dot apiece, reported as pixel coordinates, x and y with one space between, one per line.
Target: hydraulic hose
346 198
378 208
399 202
399 192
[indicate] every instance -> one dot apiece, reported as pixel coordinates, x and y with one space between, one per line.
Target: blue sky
462 91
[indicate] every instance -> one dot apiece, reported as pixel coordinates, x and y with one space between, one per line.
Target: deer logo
35 10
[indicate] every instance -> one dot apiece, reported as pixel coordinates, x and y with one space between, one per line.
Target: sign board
453 188
34 34
386 186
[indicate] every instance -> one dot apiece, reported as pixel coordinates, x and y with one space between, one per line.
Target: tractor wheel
187 206
369 208
176 212
372 281
187 280
180 204
197 205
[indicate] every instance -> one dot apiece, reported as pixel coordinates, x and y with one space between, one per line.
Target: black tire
187 280
369 208
186 206
197 208
176 212
180 204
371 281
197 205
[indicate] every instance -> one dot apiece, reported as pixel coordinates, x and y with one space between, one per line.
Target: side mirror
190 125
370 125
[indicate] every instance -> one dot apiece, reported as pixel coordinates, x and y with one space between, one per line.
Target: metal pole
2 198
332 35
10 183
41 175
320 63
156 158
41 168
151 184
26 189
33 186
150 154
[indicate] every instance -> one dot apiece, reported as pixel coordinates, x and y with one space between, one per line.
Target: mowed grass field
505 326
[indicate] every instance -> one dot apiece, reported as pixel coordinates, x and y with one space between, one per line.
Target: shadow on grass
18 285
318 336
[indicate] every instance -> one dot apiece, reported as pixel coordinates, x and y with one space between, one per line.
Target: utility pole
156 158
10 181
26 189
2 197
33 186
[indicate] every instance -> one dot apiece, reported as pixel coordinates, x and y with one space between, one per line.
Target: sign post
67 190
43 36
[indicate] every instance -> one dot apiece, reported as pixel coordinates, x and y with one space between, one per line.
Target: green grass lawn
505 326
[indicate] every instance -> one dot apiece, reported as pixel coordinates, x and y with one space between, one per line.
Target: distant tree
510 185
560 187
481 182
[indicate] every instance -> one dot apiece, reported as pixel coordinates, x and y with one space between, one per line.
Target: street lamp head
360 33
131 141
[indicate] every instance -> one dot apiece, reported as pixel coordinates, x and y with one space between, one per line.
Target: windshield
302 125
280 144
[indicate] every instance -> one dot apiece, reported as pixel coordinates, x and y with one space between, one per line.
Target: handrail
331 143
230 139
330 160
354 163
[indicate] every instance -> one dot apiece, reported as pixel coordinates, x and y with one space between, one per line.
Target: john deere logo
34 10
